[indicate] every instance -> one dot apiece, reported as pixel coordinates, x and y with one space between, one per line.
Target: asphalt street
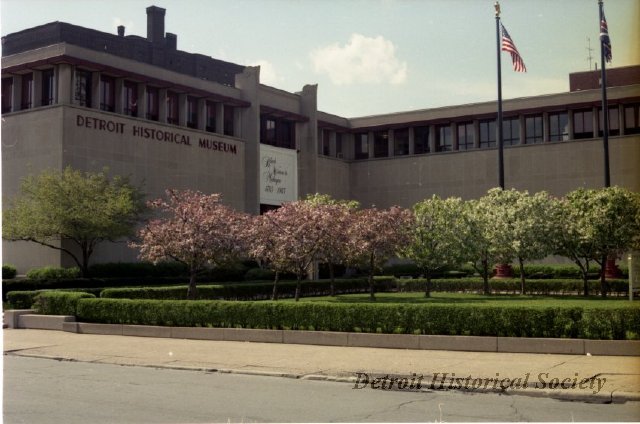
40 390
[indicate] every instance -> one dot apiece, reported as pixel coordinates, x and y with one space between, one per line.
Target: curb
611 397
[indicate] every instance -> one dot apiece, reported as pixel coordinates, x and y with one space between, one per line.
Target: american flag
604 38
509 46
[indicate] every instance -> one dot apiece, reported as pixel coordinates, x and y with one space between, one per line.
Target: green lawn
477 299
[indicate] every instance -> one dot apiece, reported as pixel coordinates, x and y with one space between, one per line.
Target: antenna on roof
589 50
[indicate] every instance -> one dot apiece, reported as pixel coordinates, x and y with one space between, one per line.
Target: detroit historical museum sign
278 175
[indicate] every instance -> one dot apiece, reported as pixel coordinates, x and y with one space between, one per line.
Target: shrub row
512 285
475 320
53 273
251 291
59 303
8 271
26 299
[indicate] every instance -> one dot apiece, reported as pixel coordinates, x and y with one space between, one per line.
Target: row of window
83 96
528 129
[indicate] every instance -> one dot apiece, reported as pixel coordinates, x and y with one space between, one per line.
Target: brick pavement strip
601 378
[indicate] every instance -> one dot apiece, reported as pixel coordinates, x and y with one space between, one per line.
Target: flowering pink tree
375 236
196 229
335 219
287 239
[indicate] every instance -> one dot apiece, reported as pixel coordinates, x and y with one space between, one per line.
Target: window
277 132
228 120
487 134
381 144
82 89
107 93
325 142
444 139
130 93
210 124
401 142
533 133
27 92
192 112
558 126
48 87
466 136
614 121
173 108
583 124
631 119
511 131
421 140
7 94
153 103
361 146
339 152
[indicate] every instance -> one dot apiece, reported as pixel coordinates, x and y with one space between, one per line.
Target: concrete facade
73 96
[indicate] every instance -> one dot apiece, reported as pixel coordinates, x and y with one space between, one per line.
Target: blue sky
372 56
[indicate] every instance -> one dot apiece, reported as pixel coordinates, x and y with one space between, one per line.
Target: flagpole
605 108
499 121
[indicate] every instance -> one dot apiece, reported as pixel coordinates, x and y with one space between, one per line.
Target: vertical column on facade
308 139
370 144
202 114
182 110
476 133
237 122
521 134
545 127
391 142
162 105
595 122
142 100
96 97
621 119
412 141
333 151
432 138
571 126
119 106
16 93
36 94
248 82
454 136
219 118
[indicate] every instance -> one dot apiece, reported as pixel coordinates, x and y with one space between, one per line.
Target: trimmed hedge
59 303
53 273
474 320
21 299
9 271
511 285
251 291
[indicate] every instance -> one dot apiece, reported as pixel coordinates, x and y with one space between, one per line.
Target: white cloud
361 60
268 73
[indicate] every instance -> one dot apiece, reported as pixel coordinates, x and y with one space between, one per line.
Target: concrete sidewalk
580 377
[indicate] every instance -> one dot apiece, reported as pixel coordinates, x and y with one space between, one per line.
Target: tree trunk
522 280
298 280
372 289
192 291
84 269
485 277
427 288
584 270
274 293
332 289
603 278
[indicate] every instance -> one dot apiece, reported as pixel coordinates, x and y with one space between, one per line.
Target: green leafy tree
436 236
84 208
597 224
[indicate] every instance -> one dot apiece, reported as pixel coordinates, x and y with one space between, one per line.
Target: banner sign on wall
278 175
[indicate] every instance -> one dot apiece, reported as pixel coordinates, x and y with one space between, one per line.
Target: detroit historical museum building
73 96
